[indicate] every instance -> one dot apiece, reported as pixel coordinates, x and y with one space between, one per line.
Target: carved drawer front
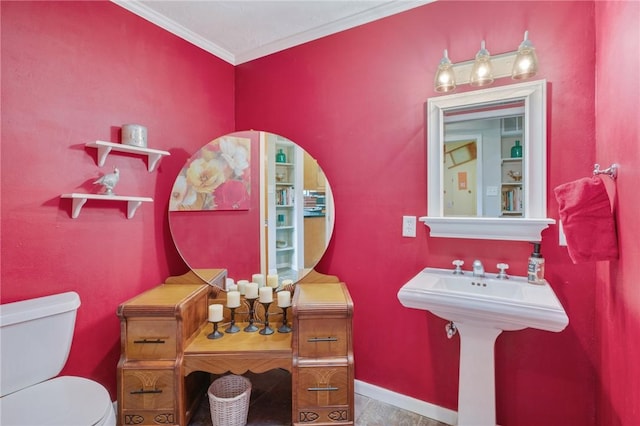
322 338
323 386
151 339
141 417
148 389
339 415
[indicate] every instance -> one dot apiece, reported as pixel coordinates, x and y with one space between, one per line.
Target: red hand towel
587 220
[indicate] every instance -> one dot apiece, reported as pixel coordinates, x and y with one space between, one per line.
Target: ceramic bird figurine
109 181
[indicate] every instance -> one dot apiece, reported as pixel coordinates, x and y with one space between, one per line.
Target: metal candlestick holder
266 330
233 328
284 328
215 334
251 327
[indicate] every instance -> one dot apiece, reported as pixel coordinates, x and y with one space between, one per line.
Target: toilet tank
35 339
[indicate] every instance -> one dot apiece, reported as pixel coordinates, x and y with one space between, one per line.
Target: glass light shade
445 79
482 71
526 63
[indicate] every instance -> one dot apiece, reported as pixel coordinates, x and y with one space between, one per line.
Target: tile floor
270 405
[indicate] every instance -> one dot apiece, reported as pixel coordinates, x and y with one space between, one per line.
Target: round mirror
251 202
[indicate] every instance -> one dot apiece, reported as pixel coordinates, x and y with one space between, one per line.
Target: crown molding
343 24
173 27
369 15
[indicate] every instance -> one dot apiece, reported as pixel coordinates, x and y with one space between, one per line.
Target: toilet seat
62 401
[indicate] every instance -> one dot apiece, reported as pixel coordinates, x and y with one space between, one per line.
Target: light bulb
526 62
482 73
445 79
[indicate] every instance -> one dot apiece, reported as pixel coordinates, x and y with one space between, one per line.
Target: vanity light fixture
482 72
526 63
445 80
519 65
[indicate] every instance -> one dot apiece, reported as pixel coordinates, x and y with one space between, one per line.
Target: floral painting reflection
217 177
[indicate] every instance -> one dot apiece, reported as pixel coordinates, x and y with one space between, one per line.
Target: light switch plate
492 191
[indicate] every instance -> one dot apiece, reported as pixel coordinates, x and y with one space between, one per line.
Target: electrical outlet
408 226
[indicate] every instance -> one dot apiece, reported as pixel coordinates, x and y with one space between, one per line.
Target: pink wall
355 101
618 141
74 72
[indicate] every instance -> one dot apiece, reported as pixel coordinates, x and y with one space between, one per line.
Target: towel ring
611 171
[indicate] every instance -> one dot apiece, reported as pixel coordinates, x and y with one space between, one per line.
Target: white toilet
35 339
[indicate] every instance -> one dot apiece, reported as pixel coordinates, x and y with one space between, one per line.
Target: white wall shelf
488 228
104 148
79 200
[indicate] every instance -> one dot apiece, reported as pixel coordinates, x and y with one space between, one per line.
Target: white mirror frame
535 220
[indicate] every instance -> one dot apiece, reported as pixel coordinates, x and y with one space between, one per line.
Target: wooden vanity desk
157 385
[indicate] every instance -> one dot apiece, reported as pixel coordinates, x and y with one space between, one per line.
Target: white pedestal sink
481 309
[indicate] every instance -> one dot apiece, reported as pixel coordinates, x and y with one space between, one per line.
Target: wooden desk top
159 301
327 298
238 352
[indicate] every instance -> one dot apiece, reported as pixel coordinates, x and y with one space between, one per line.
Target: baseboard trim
408 403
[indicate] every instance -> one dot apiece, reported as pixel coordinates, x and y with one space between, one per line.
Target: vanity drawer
148 389
323 386
151 338
322 338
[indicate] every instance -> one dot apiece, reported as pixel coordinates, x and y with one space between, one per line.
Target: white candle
284 299
229 282
233 299
266 295
258 278
251 291
242 286
215 313
232 287
287 282
272 280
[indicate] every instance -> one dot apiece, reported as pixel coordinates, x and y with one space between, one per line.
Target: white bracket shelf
488 228
80 199
104 148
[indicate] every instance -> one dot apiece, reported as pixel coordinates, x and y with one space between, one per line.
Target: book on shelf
284 196
512 199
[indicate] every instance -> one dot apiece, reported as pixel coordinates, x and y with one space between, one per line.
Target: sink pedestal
481 308
477 392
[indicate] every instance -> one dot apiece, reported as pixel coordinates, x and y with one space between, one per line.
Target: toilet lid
63 401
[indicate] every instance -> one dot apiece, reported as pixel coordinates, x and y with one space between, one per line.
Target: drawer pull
142 391
322 339
320 389
149 341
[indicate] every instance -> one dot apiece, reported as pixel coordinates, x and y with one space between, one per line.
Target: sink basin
481 308
506 304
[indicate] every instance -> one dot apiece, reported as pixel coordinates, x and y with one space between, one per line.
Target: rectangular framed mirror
487 163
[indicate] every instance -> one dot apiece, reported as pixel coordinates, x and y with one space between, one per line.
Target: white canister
134 134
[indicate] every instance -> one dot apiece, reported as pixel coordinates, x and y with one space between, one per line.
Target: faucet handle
502 274
458 264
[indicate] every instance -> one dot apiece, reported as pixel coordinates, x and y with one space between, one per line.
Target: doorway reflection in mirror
480 142
460 178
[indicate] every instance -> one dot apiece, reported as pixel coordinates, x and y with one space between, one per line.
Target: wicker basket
229 400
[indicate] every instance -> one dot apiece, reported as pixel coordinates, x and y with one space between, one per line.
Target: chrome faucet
478 269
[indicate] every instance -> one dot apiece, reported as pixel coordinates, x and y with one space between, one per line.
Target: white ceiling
239 31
